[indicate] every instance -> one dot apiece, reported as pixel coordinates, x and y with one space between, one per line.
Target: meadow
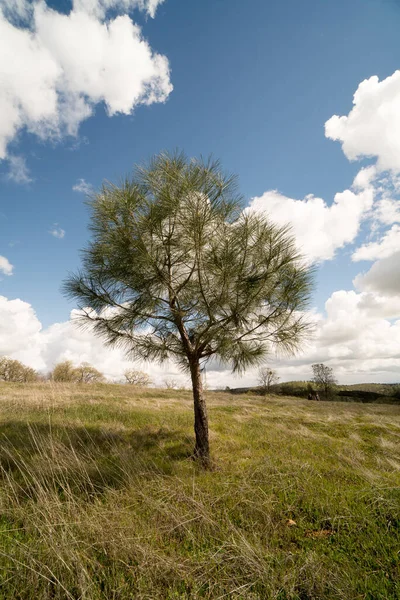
100 498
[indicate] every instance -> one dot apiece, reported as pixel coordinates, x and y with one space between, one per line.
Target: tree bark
202 447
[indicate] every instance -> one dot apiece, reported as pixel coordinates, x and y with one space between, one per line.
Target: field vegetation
100 498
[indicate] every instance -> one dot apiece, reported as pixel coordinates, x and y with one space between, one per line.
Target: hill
99 498
359 392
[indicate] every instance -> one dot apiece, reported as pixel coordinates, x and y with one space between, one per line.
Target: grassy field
99 498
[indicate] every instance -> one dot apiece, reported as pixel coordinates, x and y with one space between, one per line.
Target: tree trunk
202 448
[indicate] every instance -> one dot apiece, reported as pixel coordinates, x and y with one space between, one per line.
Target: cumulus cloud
22 337
387 245
383 277
57 68
83 187
57 232
357 336
358 332
5 266
372 127
319 229
17 170
20 332
365 178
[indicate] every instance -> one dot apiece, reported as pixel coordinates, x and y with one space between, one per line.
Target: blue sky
253 83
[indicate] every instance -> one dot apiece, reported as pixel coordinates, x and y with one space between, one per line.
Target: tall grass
100 499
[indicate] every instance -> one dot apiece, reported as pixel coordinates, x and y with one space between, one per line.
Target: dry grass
99 498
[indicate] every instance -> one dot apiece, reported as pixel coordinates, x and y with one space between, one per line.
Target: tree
64 372
324 378
170 383
266 378
85 373
29 375
137 378
15 371
176 268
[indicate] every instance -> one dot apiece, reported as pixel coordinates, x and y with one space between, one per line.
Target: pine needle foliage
176 269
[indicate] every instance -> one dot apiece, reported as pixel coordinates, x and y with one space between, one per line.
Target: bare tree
266 378
324 378
139 378
170 384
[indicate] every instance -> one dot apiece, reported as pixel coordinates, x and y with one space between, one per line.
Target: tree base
204 461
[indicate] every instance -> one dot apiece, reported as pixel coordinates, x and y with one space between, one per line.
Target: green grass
100 499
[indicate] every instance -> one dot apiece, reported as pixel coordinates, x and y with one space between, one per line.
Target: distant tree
176 269
85 373
266 378
139 378
64 372
29 375
324 378
15 371
170 384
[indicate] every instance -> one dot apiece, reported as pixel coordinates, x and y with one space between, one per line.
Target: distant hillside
358 392
384 389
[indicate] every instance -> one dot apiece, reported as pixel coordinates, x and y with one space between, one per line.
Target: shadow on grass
73 460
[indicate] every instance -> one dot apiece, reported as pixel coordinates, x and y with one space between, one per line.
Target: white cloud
5 266
23 338
319 229
356 337
387 205
56 70
17 10
383 277
83 187
387 211
387 245
372 127
18 171
57 232
99 8
365 178
358 332
20 332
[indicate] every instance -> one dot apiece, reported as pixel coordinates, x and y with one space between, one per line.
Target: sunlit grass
100 499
